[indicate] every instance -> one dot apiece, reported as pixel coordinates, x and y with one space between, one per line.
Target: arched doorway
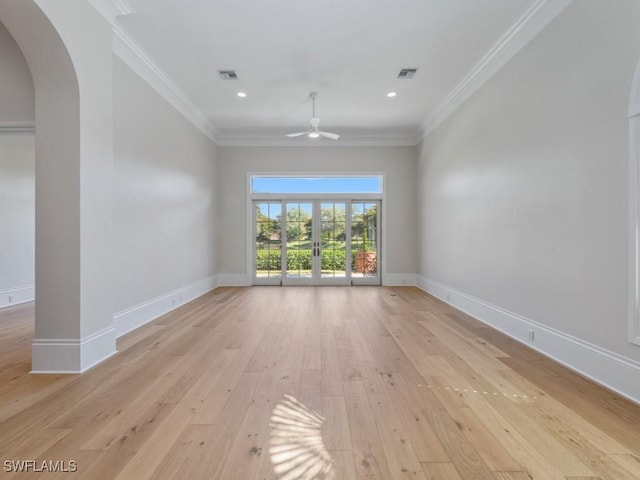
67 46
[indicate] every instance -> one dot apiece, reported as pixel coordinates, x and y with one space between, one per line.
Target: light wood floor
302 383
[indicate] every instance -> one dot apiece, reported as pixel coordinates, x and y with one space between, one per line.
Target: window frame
251 197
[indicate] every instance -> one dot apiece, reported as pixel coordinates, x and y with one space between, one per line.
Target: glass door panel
300 247
310 242
365 238
334 248
268 242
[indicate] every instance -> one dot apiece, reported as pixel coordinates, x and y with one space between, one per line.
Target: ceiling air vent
228 74
407 73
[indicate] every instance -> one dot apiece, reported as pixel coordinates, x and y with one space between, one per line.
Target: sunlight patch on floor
296 448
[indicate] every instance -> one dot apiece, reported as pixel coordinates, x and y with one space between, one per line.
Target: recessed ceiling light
391 94
242 94
314 135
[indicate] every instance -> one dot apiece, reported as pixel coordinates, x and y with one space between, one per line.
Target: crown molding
257 140
538 16
111 9
17 128
131 53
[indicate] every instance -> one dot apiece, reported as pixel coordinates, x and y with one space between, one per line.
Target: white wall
17 100
17 173
523 190
164 195
398 162
164 211
17 218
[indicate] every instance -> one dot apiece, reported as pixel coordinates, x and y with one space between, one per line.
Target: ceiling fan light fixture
241 94
314 123
391 94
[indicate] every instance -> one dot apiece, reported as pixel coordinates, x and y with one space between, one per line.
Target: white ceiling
349 51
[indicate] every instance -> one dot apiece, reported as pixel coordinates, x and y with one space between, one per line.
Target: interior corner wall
524 189
165 210
235 163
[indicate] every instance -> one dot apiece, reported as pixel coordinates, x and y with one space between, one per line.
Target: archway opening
73 157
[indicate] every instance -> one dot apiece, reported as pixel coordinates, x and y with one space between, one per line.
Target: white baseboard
388 280
136 316
234 280
615 372
16 295
72 355
399 280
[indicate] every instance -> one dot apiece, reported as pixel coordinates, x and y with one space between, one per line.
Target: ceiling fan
313 132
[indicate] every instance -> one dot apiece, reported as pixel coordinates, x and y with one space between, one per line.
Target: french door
316 242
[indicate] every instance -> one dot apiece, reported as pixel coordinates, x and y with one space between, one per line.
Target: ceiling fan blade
332 136
313 132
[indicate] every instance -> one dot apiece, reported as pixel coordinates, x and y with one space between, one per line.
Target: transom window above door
266 184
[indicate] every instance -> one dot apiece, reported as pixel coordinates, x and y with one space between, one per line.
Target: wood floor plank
394 434
196 396
146 460
496 457
345 467
512 476
464 457
329 365
310 389
346 356
441 471
630 462
222 389
252 437
293 365
508 435
554 451
572 477
208 445
414 413
591 455
386 383
35 446
369 456
110 462
335 431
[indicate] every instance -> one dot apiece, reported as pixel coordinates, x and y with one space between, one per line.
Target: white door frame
316 200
